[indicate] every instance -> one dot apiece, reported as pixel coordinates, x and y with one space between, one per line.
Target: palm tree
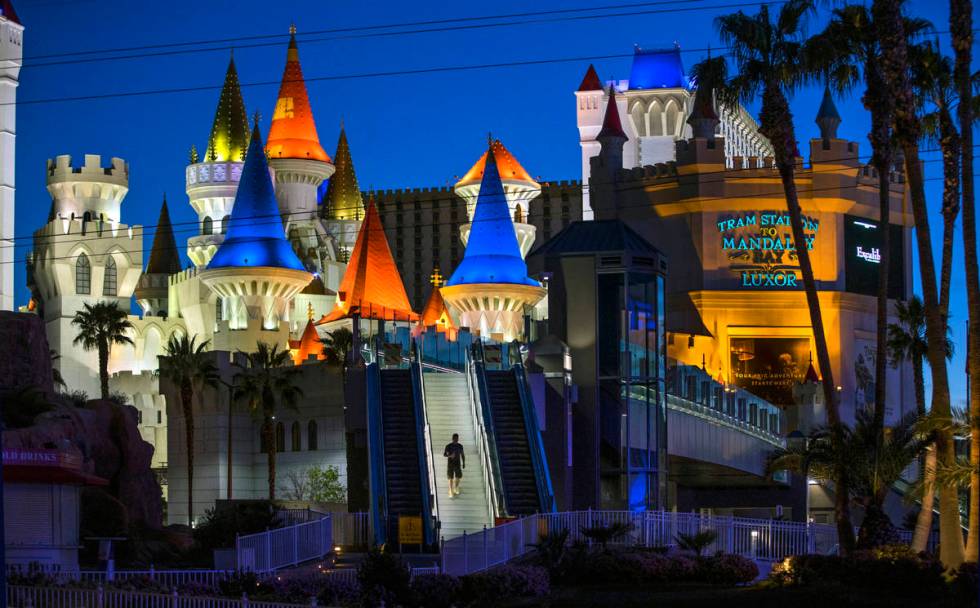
874 463
769 57
266 383
907 342
932 77
101 325
893 43
337 344
961 28
188 367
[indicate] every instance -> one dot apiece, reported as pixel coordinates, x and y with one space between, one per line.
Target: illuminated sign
862 257
760 247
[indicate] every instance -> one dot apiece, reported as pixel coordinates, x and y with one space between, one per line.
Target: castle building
656 102
12 51
735 295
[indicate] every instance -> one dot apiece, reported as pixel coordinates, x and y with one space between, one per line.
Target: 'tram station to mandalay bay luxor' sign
760 248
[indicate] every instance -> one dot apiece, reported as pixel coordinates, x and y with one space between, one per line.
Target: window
159 417
296 437
109 282
311 438
83 275
224 224
218 316
280 437
207 226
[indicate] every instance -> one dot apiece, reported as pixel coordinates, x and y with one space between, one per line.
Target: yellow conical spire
229 132
343 199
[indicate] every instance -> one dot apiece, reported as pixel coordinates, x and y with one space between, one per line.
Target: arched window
656 119
207 226
297 436
672 115
83 275
311 438
224 224
518 215
109 281
218 314
280 437
639 119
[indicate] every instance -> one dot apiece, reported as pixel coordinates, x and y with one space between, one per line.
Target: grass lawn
695 596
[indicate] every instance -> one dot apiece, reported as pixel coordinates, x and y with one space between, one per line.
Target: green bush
219 526
508 582
964 584
886 567
726 569
437 590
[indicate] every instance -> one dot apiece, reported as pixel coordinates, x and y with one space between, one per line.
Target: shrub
437 590
31 576
726 569
219 527
881 568
603 535
339 592
505 583
682 568
550 551
964 584
242 582
696 542
383 577
194 589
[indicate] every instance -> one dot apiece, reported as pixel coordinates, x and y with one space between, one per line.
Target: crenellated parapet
88 190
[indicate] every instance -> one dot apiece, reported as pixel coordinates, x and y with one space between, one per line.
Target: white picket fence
283 547
65 597
759 539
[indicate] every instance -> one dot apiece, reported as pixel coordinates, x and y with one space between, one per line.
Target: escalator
518 452
399 467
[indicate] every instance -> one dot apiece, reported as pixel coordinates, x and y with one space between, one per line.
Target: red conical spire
612 126
293 131
591 81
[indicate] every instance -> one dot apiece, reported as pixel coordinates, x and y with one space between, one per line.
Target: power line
644 204
723 173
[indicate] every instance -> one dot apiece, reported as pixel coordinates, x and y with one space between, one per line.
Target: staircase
448 410
401 441
509 427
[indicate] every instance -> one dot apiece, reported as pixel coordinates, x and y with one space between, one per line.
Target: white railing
283 547
351 529
170 578
427 439
759 539
482 441
66 597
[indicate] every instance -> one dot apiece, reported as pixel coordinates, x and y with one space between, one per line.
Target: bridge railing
283 547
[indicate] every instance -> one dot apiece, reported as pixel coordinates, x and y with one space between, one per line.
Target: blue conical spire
492 254
256 236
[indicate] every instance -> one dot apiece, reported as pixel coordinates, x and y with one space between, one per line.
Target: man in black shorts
456 462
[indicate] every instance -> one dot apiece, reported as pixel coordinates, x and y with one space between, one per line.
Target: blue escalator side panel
484 399
428 524
539 459
377 483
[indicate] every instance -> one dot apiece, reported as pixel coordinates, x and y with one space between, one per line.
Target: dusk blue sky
409 130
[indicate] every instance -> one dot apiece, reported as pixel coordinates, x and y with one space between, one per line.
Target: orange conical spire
372 281
293 131
309 344
507 165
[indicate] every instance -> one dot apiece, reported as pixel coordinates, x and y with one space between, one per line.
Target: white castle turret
213 179
519 189
84 254
11 53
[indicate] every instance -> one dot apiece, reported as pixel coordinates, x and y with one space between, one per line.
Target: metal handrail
486 420
377 483
539 460
430 503
482 443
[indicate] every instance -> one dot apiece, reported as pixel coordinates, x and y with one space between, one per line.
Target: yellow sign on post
410 529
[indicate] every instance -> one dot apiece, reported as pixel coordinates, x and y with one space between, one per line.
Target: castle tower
436 312
343 207
213 180
254 272
151 293
294 149
84 255
11 53
589 105
519 189
372 283
490 289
